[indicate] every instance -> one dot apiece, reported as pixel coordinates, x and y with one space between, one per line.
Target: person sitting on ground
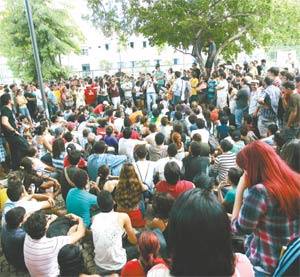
148 245
37 164
205 244
197 161
234 175
272 129
128 195
71 150
40 252
173 184
201 130
159 150
238 142
223 129
100 157
105 180
12 238
58 154
18 197
42 183
160 164
71 263
108 228
110 139
291 154
79 201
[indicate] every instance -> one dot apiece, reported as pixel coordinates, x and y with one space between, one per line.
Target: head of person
297 80
164 121
127 133
99 147
172 173
68 136
172 150
148 245
272 129
177 74
178 115
36 225
128 174
205 244
197 137
58 147
234 175
263 165
236 135
288 87
273 72
159 138
268 81
200 123
162 205
81 178
70 260
31 152
5 99
225 145
109 130
14 187
176 138
195 148
152 127
203 181
141 152
14 217
105 201
27 165
290 152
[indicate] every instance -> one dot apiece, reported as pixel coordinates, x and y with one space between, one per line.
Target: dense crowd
163 174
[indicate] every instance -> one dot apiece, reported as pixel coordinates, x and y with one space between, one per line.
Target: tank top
107 238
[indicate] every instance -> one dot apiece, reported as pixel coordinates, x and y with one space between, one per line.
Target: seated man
12 238
18 197
108 229
159 150
40 252
173 184
114 162
79 201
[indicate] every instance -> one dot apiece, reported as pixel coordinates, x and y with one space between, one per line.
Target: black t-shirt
5 111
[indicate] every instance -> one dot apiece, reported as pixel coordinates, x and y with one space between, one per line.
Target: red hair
263 165
149 246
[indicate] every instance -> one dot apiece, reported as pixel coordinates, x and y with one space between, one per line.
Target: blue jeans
24 111
151 98
176 99
239 114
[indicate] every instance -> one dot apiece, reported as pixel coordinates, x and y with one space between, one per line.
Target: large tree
234 25
55 32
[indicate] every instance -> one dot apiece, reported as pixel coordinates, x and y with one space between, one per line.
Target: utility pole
36 54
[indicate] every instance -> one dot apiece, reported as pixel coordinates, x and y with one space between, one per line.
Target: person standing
18 145
222 91
242 102
149 88
212 51
159 78
114 92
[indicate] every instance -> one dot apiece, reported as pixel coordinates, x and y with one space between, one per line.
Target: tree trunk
197 54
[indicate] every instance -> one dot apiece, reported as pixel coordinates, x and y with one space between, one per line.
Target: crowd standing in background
162 174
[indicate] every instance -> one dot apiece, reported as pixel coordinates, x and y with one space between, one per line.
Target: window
144 44
107 46
175 61
84 51
86 67
131 44
132 64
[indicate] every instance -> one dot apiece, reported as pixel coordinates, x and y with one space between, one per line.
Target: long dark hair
199 236
58 147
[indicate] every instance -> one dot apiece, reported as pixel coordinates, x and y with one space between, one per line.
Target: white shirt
160 166
118 124
107 238
126 147
151 138
145 171
203 133
40 255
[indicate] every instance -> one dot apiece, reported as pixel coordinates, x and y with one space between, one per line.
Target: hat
248 79
254 81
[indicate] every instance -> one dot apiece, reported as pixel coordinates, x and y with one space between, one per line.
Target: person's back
12 238
194 165
79 201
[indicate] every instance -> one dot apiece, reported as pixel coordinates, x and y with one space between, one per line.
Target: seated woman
71 262
128 195
71 148
58 154
12 238
42 183
148 245
205 244
37 164
105 180
291 154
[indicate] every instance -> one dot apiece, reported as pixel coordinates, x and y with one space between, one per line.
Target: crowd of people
163 174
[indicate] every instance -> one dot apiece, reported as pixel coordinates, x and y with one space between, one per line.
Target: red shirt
134 268
90 94
81 164
174 190
99 109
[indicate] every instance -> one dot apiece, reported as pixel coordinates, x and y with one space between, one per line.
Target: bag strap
68 178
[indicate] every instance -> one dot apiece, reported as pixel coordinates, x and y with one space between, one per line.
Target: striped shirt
222 165
41 255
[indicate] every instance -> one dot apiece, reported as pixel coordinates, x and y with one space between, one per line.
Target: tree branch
182 51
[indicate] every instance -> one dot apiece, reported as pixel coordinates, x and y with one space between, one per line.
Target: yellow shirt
3 198
194 83
57 94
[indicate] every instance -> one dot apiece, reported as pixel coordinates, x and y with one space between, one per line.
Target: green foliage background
55 32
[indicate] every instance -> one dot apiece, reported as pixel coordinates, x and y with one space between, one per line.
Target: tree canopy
56 35
234 25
